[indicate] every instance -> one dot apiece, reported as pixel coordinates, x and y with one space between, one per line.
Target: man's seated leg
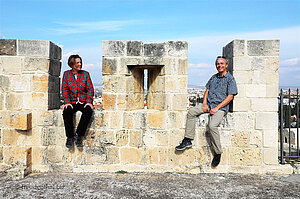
192 117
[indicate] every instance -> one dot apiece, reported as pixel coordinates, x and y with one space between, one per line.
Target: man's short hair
223 57
71 60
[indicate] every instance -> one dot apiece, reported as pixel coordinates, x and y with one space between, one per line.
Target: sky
79 26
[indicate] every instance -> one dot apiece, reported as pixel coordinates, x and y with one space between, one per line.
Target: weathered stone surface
112 155
130 155
17 155
55 52
134 48
48 136
20 83
178 48
271 156
240 139
179 101
54 154
270 138
151 156
122 138
234 49
4 83
263 47
242 63
54 68
266 120
241 104
264 104
256 90
21 121
95 155
182 66
162 138
154 49
136 138
34 48
113 48
40 101
14 101
246 156
109 101
11 65
109 66
156 119
105 137
8 47
33 64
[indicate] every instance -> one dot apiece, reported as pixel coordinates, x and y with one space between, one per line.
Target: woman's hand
90 105
66 106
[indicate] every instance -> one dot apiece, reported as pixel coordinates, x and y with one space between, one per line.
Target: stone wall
125 136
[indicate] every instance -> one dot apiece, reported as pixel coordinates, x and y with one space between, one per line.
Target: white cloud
290 62
92 66
200 65
68 54
85 27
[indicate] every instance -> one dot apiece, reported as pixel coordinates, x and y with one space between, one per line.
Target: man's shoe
78 140
69 142
215 162
186 143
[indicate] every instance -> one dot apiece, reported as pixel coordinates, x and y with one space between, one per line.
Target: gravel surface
150 185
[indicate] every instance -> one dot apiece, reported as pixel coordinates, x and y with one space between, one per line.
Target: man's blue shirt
219 88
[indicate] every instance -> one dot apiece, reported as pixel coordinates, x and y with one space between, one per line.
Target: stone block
134 101
272 90
155 49
122 138
101 119
201 155
130 155
150 156
243 77
11 65
246 156
234 49
263 47
113 48
182 66
90 138
116 119
20 83
256 90
34 48
176 137
4 83
270 138
188 157
162 155
241 104
40 83
175 120
240 139
4 120
109 66
244 121
178 48
156 101
34 64
256 139
40 100
95 155
266 120
1 154
105 137
55 68
121 101
175 158
162 138
134 48
8 47
265 77
134 120
179 101
271 156
157 119
54 155
2 102
48 136
37 155
55 52
272 63
241 63
264 104
112 155
21 120
10 137
136 138
114 84
109 101
14 101
149 138
17 156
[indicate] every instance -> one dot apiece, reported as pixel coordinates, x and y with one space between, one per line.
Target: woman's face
77 66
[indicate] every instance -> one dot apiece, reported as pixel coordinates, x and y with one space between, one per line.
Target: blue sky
79 26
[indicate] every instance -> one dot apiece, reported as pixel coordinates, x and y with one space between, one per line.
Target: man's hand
66 106
204 108
90 105
213 111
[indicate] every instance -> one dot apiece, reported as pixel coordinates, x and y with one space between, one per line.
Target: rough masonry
125 136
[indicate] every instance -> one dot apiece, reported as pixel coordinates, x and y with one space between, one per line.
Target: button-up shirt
77 90
219 88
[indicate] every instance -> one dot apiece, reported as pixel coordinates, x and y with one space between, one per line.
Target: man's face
221 65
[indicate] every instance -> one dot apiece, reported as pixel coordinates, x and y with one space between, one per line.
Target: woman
77 91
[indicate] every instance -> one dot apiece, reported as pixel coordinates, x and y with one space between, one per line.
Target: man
220 90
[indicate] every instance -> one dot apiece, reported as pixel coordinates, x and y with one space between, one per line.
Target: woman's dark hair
71 60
